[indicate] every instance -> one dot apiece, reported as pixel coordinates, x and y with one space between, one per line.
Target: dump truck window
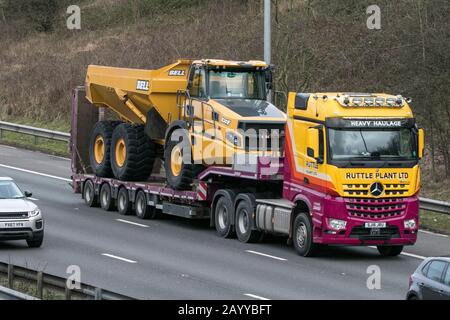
198 84
236 84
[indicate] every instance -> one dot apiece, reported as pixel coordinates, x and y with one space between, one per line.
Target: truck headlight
410 224
234 139
337 224
34 213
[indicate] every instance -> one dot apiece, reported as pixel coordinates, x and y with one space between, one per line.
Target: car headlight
234 139
410 224
34 213
337 224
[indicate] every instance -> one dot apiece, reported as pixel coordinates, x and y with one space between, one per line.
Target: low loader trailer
348 175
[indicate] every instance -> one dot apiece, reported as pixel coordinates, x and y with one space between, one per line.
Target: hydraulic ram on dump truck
349 176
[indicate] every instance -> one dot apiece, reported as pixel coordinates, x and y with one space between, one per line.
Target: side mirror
28 194
420 143
312 143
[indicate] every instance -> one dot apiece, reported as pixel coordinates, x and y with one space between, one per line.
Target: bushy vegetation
318 45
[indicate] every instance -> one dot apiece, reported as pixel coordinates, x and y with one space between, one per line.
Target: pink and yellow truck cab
351 171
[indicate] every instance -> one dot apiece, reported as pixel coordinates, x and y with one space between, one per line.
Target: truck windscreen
241 84
392 144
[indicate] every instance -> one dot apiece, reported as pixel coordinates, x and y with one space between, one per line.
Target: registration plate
375 225
11 225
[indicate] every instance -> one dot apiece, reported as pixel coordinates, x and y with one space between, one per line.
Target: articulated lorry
342 170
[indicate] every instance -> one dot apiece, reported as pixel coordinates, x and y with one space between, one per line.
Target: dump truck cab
352 162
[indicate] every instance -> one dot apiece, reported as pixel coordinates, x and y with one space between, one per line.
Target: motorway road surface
179 259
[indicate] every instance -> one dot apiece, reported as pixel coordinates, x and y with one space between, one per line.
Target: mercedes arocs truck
347 174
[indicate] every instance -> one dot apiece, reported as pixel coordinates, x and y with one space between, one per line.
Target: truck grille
375 208
397 189
13 215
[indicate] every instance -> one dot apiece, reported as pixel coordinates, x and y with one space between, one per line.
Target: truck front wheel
390 251
303 236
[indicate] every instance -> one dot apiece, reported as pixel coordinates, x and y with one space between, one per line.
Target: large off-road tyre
179 174
132 153
100 146
303 236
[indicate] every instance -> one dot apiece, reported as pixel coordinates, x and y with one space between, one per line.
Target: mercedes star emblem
376 189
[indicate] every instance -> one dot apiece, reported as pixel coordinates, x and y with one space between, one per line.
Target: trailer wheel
223 217
123 202
99 148
142 209
303 236
132 153
106 201
390 251
243 225
89 194
179 174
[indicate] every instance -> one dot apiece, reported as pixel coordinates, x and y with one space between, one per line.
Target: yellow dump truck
204 103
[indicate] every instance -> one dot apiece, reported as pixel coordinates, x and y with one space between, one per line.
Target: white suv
20 219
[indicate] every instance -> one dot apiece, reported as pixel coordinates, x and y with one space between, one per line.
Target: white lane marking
60 158
266 255
33 199
118 258
255 296
434 234
133 223
8 147
35 173
412 255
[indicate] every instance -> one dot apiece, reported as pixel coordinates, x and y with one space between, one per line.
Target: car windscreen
9 190
392 144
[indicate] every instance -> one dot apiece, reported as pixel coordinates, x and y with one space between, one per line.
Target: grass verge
29 288
436 222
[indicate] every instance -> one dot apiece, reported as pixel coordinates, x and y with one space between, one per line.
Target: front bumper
21 229
355 232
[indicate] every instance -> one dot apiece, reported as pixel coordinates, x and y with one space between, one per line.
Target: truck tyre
179 174
390 251
223 217
106 201
243 224
124 205
142 209
303 236
132 153
36 241
99 148
89 194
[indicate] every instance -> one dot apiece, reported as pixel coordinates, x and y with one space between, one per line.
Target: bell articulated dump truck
348 172
189 114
